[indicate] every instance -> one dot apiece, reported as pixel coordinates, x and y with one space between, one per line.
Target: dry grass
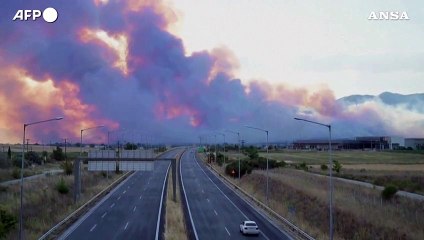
44 206
6 174
359 212
175 222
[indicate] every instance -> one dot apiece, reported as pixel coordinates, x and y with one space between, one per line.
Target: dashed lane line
92 228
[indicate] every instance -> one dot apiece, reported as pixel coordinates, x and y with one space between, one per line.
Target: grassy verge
13 173
347 157
44 206
175 222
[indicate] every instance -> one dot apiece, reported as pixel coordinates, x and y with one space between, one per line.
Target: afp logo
49 15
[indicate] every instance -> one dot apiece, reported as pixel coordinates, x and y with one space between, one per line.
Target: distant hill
414 102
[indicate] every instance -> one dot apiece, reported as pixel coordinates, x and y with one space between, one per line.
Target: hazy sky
310 43
171 69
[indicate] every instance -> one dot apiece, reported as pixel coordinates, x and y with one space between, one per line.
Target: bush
221 159
252 152
7 222
67 167
337 166
16 173
245 168
388 192
260 163
303 166
61 187
324 167
33 157
130 146
58 154
281 164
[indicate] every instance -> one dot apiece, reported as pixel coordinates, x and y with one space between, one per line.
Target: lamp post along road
267 174
77 167
238 156
22 173
222 134
330 162
216 154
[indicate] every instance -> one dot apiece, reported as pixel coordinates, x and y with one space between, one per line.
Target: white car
249 227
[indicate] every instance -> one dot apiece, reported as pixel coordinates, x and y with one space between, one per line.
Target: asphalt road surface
131 211
216 210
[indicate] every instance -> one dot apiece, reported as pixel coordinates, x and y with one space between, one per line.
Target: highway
215 209
131 211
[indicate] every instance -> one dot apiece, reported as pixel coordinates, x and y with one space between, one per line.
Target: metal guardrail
74 213
287 224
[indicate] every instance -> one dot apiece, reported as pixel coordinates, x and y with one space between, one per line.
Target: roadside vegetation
48 199
359 212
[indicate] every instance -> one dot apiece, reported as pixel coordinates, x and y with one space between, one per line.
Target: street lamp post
78 173
82 130
330 162
222 134
22 173
238 156
267 174
216 154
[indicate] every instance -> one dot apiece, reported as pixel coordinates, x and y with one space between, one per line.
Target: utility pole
66 157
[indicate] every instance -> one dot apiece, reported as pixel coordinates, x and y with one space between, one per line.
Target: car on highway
249 227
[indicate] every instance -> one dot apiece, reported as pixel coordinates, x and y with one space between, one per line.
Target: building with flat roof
414 143
381 142
372 143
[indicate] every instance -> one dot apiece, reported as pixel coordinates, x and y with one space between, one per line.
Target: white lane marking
215 212
134 208
104 214
140 197
227 231
92 228
113 204
185 196
161 202
83 218
126 225
208 199
228 198
119 197
124 191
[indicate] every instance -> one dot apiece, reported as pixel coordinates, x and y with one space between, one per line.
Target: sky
311 43
175 71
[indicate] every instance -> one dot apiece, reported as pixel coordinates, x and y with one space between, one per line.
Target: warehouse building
364 143
414 143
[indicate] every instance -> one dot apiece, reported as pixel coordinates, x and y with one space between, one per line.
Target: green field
347 157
